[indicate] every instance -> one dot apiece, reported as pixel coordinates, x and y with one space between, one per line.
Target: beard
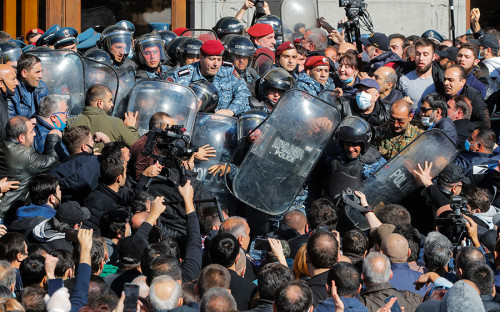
423 69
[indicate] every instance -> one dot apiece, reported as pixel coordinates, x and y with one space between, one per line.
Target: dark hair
139 200
96 254
17 126
413 237
97 289
301 50
32 299
114 221
213 275
208 217
347 278
11 244
462 104
155 120
322 212
436 101
486 136
413 38
111 169
424 42
26 62
32 270
469 256
64 262
400 36
295 296
463 74
322 250
472 47
60 226
351 59
271 277
394 214
74 137
478 198
355 242
164 265
224 249
95 93
5 292
482 275
172 248
41 186
151 252
112 149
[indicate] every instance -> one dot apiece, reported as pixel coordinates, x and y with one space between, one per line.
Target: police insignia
235 73
66 33
170 79
183 72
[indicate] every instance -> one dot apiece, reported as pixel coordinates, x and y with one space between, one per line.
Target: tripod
352 26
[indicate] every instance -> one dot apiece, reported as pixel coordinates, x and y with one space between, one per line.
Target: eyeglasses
64 113
397 121
426 109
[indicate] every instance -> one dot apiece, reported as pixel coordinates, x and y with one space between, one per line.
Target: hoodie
50 238
493 65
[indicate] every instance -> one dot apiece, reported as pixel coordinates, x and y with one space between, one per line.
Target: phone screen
131 297
71 235
54 285
395 307
262 244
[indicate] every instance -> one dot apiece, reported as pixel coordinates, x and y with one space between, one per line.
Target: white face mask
426 121
364 100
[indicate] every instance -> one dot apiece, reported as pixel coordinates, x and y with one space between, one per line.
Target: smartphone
54 285
71 235
262 244
395 307
1 220
131 297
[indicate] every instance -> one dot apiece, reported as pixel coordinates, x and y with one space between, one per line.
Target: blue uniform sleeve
241 94
369 169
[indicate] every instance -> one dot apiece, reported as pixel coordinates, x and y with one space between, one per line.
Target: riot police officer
150 53
275 22
227 26
166 36
117 41
240 51
65 38
189 51
233 91
173 52
286 57
9 53
270 87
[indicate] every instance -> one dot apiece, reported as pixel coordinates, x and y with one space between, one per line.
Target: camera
352 4
172 142
453 225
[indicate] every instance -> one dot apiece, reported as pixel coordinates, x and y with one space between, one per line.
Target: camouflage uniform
312 86
233 91
144 73
390 143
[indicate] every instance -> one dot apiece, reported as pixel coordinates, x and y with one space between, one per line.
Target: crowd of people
96 216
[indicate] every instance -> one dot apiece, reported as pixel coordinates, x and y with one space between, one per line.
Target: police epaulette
227 64
183 72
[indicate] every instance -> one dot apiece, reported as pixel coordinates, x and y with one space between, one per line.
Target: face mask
364 100
8 91
481 55
426 121
91 148
468 145
63 125
348 80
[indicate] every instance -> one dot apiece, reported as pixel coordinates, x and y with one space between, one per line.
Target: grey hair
318 36
164 304
392 77
217 299
437 250
237 230
50 104
372 271
7 274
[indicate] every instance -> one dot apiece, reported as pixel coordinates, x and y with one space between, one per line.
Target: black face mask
8 91
91 149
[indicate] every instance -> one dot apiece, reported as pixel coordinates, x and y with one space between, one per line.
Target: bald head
401 115
8 78
138 219
165 293
386 78
296 220
344 47
395 247
401 107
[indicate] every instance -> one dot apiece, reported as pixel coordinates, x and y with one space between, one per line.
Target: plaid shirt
390 143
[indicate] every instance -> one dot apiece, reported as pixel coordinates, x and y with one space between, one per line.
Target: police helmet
228 25
190 46
276 78
207 94
355 130
166 36
127 25
116 34
173 49
99 55
275 22
250 120
149 41
240 45
9 52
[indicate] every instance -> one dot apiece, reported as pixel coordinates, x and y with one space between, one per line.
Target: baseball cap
71 212
489 41
450 53
369 83
453 174
378 40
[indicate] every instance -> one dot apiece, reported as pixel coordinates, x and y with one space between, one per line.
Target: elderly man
19 160
8 83
367 104
262 36
316 76
387 79
52 114
233 91
397 133
315 40
31 88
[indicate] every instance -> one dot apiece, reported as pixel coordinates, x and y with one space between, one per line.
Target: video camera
352 4
172 141
454 225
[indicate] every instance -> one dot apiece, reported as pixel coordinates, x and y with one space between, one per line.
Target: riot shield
151 96
329 96
202 34
262 64
63 72
249 121
219 132
280 160
395 180
126 81
296 14
100 73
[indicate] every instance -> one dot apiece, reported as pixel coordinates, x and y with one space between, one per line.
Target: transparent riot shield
249 121
329 96
262 64
297 14
396 179
202 34
150 96
126 81
219 132
100 73
63 72
280 160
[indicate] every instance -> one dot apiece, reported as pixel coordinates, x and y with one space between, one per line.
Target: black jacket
100 201
4 116
480 111
380 114
242 290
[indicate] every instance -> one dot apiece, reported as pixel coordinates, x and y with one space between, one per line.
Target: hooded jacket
50 238
493 65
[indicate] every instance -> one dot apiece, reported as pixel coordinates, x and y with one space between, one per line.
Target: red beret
297 40
265 51
35 31
317 60
260 30
180 30
211 48
283 47
206 37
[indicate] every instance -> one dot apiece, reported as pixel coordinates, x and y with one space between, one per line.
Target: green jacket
99 121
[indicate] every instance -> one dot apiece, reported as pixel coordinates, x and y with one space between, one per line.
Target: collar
376 287
403 265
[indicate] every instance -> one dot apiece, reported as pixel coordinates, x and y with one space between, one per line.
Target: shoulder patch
236 74
183 72
170 79
229 64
